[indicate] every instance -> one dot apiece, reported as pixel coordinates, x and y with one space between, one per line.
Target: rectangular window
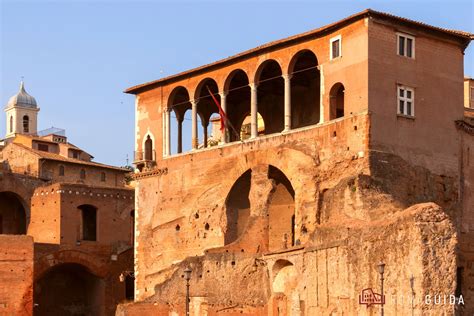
43 147
406 104
406 45
335 47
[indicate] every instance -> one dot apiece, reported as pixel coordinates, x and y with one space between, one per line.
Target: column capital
287 76
253 86
193 102
223 94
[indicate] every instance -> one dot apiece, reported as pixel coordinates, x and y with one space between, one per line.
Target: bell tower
22 114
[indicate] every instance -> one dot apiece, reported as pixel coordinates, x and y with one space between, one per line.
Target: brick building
66 223
364 154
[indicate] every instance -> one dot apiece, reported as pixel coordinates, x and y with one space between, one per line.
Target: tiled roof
56 157
465 36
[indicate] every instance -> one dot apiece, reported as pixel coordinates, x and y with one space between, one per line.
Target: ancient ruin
343 147
66 223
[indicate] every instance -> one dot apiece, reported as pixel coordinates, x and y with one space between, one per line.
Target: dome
22 98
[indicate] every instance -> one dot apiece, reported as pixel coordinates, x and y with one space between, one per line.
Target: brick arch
96 266
289 66
254 76
13 184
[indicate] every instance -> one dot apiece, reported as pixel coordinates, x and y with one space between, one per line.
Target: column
253 110
167 133
163 135
205 124
287 79
224 108
179 118
194 128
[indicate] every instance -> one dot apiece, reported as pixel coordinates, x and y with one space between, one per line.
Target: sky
77 57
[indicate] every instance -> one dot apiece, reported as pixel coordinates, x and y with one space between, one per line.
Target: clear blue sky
78 56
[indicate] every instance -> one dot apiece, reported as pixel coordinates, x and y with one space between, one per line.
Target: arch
336 101
305 89
237 206
281 212
69 289
270 95
238 101
206 106
88 222
26 124
179 104
13 214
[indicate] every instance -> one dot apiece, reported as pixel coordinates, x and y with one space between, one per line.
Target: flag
223 116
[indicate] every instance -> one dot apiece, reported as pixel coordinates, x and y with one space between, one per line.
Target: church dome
22 98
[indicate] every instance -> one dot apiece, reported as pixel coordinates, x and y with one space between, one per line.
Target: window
89 222
406 45
61 170
43 147
406 105
26 124
83 174
102 177
11 124
335 47
75 154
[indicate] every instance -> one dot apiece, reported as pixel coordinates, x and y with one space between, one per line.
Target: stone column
205 124
194 128
167 133
179 118
287 79
253 110
224 108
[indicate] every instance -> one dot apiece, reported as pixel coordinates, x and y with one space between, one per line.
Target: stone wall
16 275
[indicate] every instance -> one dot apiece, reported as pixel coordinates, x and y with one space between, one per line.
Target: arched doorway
281 212
305 89
238 208
12 214
69 289
336 102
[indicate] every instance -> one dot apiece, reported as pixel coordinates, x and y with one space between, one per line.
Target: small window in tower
83 174
11 124
102 177
26 124
61 170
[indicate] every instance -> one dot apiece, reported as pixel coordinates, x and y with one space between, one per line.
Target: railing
144 156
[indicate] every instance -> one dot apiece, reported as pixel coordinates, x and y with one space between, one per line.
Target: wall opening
281 212
270 96
69 289
89 222
13 219
180 120
148 148
206 107
336 101
26 124
237 102
238 208
305 89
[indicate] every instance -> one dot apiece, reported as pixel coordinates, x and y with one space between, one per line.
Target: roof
22 99
51 156
466 37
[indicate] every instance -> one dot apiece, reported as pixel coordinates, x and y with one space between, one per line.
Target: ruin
344 146
66 222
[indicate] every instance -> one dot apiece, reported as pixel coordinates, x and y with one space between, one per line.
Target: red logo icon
369 297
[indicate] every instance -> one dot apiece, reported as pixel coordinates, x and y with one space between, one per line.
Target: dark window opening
61 170
26 124
83 174
336 48
459 277
336 102
89 222
129 287
102 177
148 148
11 124
43 147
